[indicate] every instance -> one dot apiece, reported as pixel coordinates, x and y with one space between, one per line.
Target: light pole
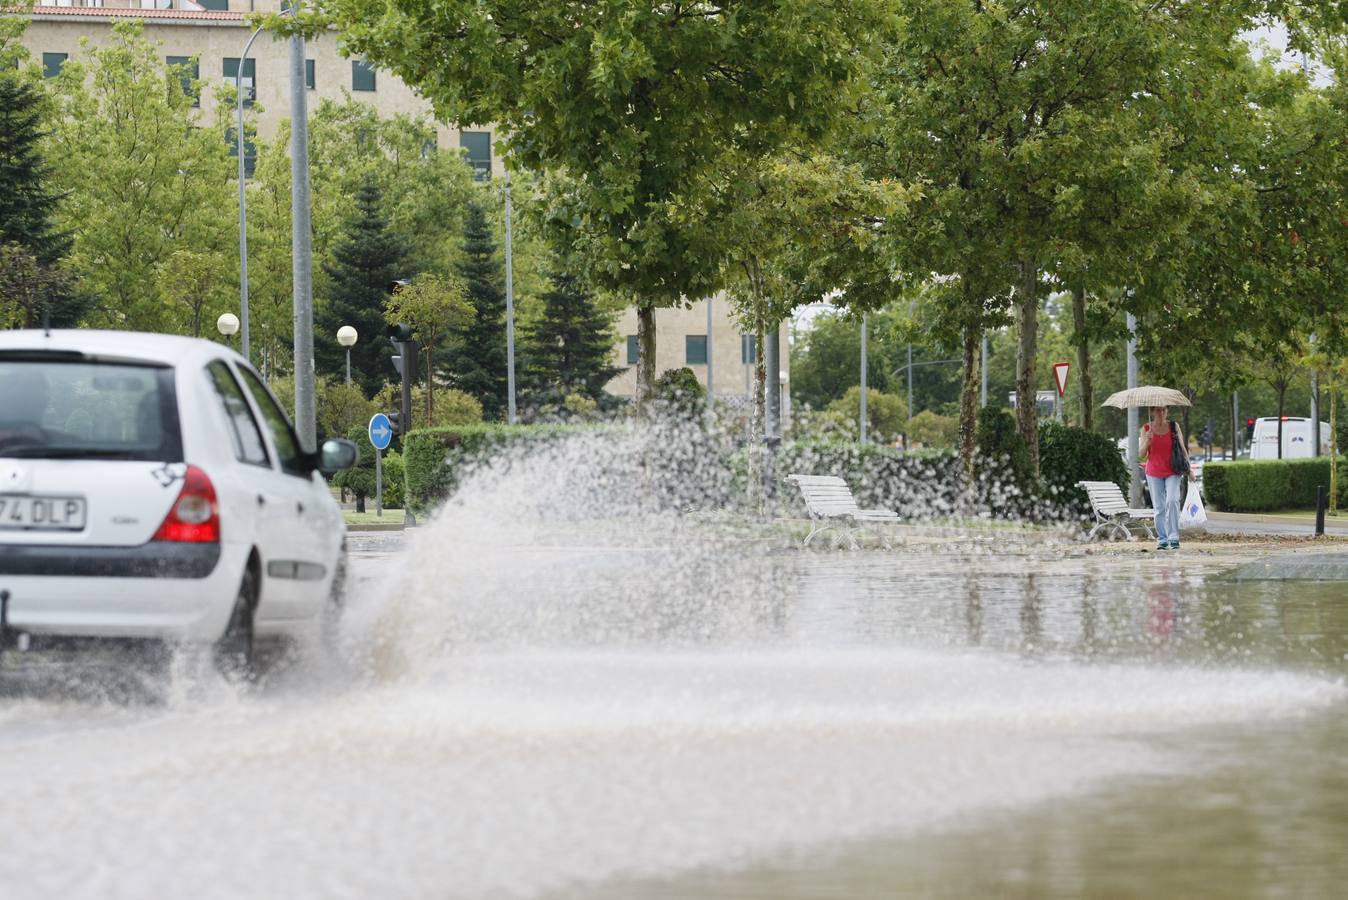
510 307
346 336
243 197
861 418
228 326
301 246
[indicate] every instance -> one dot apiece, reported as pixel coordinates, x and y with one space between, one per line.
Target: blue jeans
1166 497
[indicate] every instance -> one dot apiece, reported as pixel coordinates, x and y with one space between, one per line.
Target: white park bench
1112 511
833 508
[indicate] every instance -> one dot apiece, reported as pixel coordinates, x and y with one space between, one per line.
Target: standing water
559 687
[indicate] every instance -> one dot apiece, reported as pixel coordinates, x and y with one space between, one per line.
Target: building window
695 349
217 5
477 148
188 74
748 349
52 64
309 74
633 351
249 77
249 151
362 75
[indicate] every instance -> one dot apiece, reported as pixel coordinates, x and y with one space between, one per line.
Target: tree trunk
1027 319
759 428
1083 358
1184 416
645 353
360 503
969 400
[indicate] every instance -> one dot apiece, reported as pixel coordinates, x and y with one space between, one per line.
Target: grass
390 517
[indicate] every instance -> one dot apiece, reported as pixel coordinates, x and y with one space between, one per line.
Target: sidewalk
1265 523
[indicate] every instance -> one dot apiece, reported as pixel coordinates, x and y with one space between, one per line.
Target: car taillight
194 517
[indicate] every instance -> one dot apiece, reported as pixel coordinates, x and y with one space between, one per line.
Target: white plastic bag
1192 514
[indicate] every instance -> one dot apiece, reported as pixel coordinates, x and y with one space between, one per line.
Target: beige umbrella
1147 395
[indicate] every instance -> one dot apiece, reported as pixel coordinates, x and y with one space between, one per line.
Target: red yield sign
1060 374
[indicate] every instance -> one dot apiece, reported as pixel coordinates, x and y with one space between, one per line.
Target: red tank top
1158 457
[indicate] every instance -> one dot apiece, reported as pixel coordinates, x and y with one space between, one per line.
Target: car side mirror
337 454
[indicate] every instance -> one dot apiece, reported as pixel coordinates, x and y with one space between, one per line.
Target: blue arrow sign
381 431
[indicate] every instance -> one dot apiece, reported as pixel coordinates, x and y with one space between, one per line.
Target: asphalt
1258 523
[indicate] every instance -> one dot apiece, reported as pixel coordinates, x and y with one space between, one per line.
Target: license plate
41 513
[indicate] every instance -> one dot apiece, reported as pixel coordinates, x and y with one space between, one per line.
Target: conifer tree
569 350
32 242
365 261
477 365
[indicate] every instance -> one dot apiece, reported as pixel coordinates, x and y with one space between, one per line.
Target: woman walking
1162 447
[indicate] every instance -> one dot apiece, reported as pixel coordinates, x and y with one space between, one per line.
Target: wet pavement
582 712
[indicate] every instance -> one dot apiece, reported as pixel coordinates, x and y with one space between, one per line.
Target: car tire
335 604
235 652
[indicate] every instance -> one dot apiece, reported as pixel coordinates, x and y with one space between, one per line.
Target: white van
1296 438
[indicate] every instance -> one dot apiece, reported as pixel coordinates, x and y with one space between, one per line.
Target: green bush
434 459
918 485
361 478
1304 475
1068 455
1257 485
1247 485
680 391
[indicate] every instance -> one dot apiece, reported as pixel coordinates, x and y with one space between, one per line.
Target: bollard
1319 510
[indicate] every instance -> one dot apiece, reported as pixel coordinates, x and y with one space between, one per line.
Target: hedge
918 484
1069 455
1258 485
434 459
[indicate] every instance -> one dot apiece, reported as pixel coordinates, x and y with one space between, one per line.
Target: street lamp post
243 197
347 337
510 306
227 325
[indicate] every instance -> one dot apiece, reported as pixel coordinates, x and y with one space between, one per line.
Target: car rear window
64 409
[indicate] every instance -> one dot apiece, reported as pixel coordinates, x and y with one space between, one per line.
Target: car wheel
336 603
235 651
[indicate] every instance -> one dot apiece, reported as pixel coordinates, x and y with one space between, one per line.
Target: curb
391 526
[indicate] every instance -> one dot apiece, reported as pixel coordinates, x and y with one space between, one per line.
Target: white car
151 487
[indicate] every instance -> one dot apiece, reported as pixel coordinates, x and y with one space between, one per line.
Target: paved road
1239 523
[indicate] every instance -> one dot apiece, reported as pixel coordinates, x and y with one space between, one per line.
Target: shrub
361 479
886 414
1247 485
1068 455
451 406
918 485
932 430
1303 477
679 390
434 459
1002 463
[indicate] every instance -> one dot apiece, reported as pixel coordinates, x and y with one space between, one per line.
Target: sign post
381 435
1060 376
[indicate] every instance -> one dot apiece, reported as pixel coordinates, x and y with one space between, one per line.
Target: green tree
568 349
196 287
28 210
140 177
434 306
365 261
624 107
477 364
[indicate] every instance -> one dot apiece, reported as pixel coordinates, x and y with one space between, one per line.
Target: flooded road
564 714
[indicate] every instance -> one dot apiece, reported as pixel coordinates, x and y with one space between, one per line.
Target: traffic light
1249 429
395 421
400 333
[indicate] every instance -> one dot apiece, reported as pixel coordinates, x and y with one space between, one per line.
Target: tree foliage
140 178
365 261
